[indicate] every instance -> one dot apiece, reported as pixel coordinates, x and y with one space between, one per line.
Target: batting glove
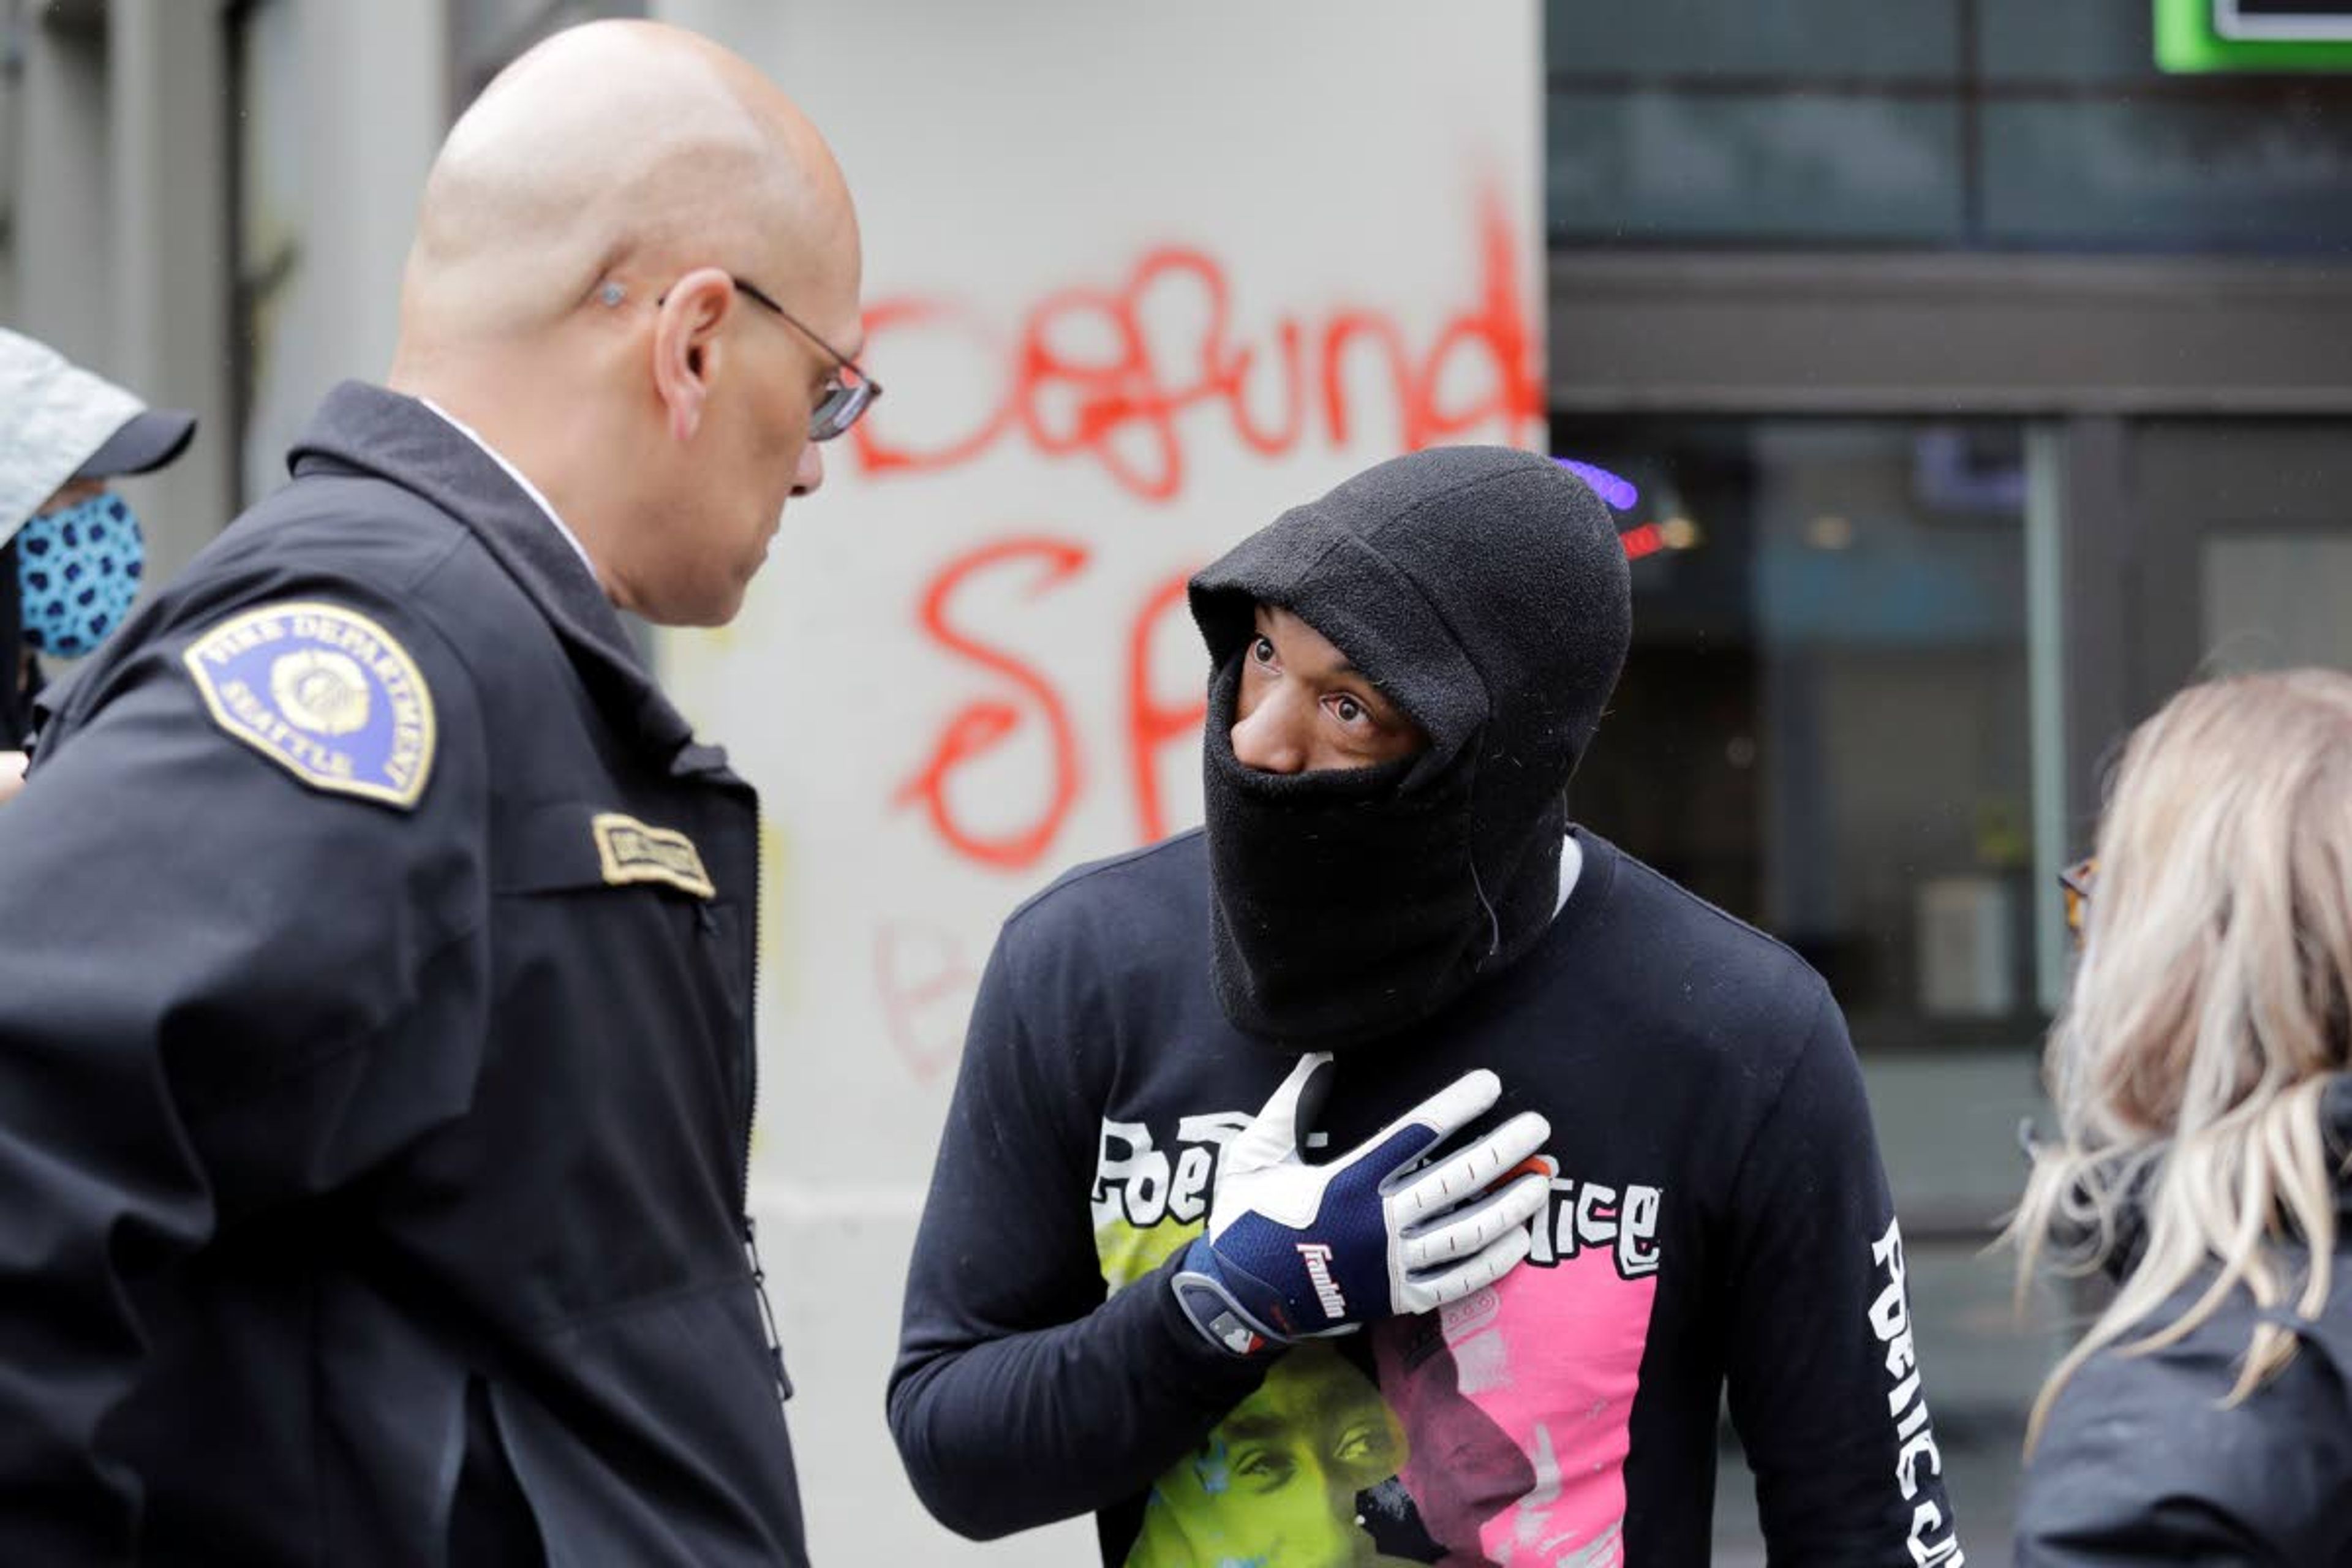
1294 1250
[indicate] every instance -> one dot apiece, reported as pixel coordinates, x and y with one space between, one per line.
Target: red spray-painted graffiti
1151 725
923 973
983 724
980 726
1123 409
925 982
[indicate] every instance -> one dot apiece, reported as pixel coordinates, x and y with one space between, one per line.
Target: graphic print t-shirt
1718 1213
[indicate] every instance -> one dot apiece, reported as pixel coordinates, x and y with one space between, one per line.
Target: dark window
1824 726
1975 124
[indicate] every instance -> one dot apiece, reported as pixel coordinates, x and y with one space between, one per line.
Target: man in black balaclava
1677 1189
1483 592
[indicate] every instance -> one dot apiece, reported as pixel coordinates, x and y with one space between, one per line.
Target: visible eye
1364 1443
1265 1469
1262 652
1355 715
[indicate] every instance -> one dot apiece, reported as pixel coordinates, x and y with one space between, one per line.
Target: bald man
376 1064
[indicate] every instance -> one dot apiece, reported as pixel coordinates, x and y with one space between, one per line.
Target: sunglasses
2076 881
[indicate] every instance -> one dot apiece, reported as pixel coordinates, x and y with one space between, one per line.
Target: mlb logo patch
325 693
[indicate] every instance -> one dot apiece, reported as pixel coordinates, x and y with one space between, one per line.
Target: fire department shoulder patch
325 693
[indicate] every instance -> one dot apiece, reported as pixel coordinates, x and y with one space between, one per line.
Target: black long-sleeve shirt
1720 1218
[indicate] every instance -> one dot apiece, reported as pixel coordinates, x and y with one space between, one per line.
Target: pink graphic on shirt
1548 1361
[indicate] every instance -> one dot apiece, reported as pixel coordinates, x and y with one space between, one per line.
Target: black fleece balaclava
1483 590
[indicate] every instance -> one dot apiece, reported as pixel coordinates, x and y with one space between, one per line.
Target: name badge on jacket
633 851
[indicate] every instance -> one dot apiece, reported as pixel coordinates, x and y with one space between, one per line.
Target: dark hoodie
1482 589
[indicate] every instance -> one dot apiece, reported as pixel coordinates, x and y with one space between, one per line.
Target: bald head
635 278
615 147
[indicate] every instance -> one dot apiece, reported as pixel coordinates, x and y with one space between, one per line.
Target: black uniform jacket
376 1071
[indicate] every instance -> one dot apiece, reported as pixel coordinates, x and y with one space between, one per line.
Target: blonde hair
2208 1014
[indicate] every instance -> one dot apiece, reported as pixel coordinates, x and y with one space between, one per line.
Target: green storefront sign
2253 36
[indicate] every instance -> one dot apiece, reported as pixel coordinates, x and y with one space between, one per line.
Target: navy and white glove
1294 1250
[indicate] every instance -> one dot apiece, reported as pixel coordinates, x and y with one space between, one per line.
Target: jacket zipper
767 1313
751 1122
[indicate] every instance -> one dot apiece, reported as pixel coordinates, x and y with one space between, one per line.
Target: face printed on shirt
1277 1482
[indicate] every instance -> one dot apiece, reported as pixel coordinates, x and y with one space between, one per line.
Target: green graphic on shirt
1277 1484
1128 1252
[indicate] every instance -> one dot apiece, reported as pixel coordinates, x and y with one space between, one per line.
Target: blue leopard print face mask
77 570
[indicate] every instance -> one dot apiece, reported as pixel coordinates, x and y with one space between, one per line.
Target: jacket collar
2335 1121
2130 1242
371 430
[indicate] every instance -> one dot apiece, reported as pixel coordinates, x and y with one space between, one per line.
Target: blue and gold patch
325 693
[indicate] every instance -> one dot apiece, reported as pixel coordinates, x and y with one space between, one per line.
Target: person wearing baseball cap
70 550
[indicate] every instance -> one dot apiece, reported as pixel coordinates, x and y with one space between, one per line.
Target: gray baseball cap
60 423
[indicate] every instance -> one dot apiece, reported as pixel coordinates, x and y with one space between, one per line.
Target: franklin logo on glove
1294 1250
1318 1269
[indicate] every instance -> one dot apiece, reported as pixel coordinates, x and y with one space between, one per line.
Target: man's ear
687 347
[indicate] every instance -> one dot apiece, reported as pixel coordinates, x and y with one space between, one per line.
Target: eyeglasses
842 403
2076 881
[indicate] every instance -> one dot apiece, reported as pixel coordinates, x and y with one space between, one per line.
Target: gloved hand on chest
1294 1250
